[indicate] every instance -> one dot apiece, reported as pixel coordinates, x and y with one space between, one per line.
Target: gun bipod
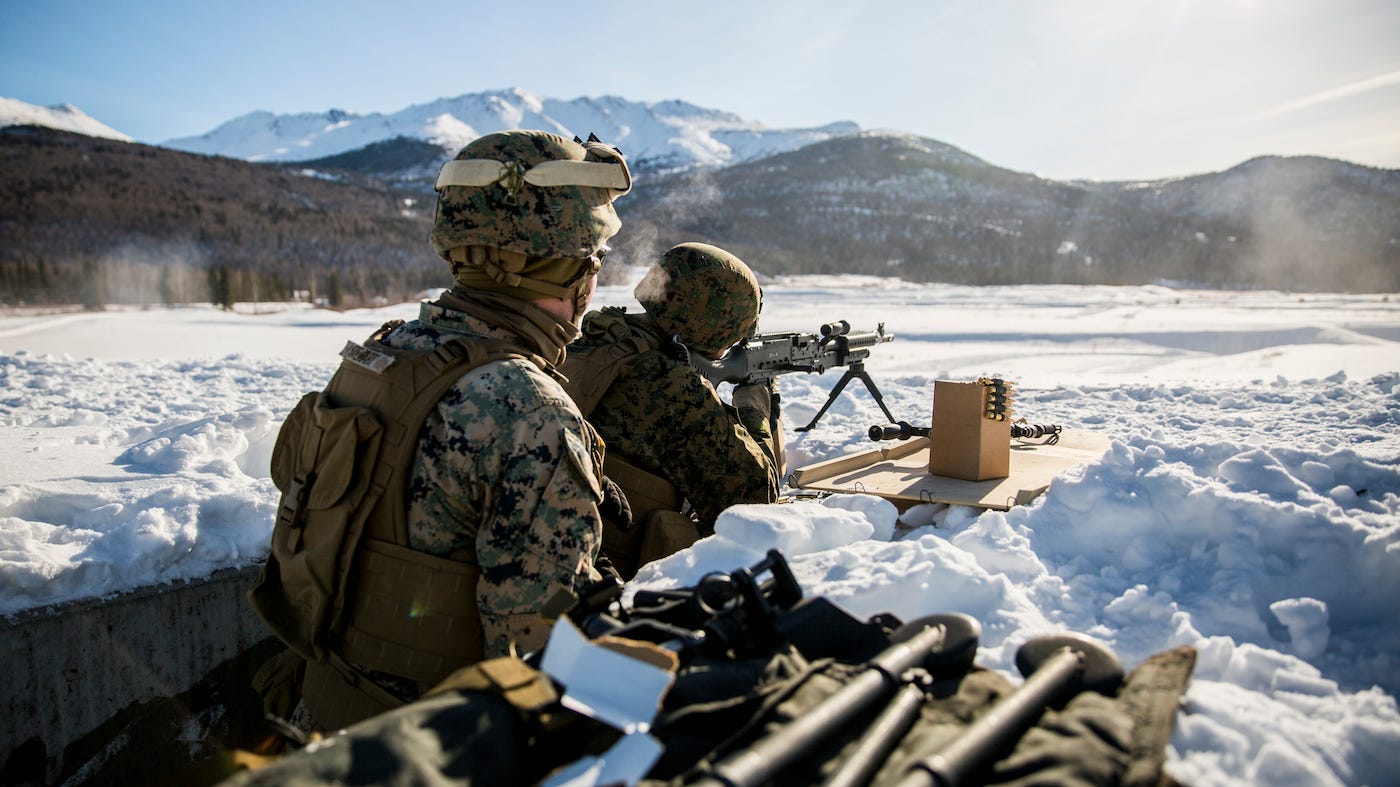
855 371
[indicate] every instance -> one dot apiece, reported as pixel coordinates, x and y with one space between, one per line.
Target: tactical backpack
341 584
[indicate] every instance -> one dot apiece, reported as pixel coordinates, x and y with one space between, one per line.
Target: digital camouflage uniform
511 467
496 511
662 415
676 449
506 466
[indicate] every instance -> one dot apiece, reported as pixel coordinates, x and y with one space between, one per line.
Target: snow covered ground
1249 505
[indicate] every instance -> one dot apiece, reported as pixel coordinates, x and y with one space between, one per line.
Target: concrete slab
73 668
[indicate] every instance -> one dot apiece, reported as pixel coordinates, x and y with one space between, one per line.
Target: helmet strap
501 270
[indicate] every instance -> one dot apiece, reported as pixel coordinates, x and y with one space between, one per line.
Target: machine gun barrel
838 335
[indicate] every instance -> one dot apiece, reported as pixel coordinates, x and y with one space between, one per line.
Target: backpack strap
591 369
403 387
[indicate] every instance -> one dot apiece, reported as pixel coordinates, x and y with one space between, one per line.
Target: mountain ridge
64 117
884 203
901 205
655 135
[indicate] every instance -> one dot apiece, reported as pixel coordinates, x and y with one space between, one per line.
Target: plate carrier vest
341 586
660 526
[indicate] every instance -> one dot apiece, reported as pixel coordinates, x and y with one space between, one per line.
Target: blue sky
1104 89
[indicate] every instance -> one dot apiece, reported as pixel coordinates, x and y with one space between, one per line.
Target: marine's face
582 307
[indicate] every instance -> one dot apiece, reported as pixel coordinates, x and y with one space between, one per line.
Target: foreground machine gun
734 613
768 355
865 724
771 689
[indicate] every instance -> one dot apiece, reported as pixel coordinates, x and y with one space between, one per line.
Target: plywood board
900 474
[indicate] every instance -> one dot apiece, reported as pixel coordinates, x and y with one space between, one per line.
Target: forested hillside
905 206
94 221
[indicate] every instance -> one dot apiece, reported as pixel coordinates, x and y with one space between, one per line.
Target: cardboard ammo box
964 442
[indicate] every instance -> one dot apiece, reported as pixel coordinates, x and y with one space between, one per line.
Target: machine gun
734 613
768 355
729 618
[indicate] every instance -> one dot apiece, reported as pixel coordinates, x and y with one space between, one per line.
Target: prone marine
678 451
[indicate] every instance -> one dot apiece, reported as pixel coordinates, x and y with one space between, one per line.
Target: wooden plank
845 464
900 473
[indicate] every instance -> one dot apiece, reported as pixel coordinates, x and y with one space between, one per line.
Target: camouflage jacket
663 416
505 466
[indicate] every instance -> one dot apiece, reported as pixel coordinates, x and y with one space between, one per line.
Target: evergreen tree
333 293
92 287
220 293
167 288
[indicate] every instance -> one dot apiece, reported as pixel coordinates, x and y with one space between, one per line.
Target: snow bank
1249 504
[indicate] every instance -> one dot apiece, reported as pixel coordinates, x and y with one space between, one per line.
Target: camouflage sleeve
675 422
757 404
545 531
511 470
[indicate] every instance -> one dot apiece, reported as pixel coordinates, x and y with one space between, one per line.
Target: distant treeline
96 282
94 221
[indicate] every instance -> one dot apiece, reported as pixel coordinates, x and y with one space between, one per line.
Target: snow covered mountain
64 117
832 199
654 135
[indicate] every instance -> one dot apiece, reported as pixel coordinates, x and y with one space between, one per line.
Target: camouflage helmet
528 213
703 295
530 192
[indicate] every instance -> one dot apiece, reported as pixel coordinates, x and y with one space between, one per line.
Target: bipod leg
855 371
874 392
845 378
